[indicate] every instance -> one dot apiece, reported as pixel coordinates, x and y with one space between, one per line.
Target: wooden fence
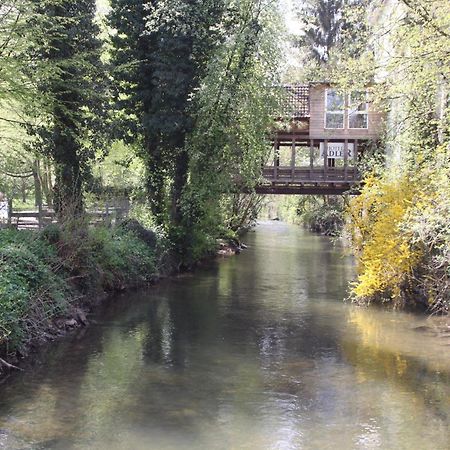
107 214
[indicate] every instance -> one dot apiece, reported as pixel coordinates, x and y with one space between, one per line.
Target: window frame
343 111
357 112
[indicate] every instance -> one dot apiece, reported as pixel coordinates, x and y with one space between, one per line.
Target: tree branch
9 366
423 14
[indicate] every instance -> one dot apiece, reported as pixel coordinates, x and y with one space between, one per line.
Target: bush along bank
48 280
322 214
401 238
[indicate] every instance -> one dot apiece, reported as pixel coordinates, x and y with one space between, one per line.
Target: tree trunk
24 190
155 179
68 193
179 183
46 176
37 184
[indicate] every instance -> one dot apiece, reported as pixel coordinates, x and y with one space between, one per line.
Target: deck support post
293 159
276 146
10 212
345 159
355 159
311 158
325 159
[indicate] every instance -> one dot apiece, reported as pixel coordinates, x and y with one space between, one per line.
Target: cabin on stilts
321 136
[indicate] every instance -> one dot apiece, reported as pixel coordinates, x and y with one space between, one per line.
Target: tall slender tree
160 53
332 24
322 20
67 52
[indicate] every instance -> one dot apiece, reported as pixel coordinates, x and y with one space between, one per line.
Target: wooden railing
106 214
288 174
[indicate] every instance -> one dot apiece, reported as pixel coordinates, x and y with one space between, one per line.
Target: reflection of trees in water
384 352
271 316
45 399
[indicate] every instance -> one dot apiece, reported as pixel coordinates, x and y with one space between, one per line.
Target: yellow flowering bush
385 253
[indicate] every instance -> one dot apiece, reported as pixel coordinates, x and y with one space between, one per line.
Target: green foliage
322 215
403 252
119 172
323 24
71 82
235 103
31 289
120 257
13 41
427 223
195 94
332 28
41 275
160 53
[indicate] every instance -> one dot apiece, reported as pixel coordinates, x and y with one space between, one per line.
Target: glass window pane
358 101
335 101
334 120
357 120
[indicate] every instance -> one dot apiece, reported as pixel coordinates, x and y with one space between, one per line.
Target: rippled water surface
256 352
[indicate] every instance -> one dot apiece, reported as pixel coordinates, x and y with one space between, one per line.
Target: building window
335 107
358 110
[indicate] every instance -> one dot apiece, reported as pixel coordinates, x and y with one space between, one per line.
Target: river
257 351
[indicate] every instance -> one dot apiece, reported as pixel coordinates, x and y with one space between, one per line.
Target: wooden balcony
312 181
285 174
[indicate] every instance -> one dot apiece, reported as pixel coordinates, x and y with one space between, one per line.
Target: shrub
388 257
121 257
31 291
42 273
323 215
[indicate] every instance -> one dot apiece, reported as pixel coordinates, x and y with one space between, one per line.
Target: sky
290 17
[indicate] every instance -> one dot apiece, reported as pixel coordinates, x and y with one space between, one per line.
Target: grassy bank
48 279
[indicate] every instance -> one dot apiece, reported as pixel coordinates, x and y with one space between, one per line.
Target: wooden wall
317 128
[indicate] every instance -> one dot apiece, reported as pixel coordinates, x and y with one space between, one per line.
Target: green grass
43 274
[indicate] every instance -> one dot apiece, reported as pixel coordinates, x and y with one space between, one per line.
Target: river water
258 351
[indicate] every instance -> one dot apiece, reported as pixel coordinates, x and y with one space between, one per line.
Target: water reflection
256 352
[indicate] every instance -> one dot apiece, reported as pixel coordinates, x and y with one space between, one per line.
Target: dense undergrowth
45 275
318 213
401 235
325 216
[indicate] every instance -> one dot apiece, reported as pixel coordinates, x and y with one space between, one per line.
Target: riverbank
50 281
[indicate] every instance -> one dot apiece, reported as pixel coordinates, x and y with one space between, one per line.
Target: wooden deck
307 181
106 214
301 165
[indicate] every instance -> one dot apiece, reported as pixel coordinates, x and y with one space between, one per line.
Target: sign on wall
335 150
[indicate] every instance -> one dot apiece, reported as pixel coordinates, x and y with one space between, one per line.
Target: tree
13 39
410 263
322 20
229 143
333 25
66 52
186 90
160 51
19 165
